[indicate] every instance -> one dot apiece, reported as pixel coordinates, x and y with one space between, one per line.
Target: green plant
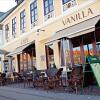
54 65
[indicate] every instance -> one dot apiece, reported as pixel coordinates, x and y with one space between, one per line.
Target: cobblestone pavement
10 93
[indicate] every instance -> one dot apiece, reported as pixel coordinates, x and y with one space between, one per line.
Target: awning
84 27
19 49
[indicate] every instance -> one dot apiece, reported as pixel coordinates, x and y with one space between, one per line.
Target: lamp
38 30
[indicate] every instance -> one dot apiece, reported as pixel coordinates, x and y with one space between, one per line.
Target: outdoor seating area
50 80
47 79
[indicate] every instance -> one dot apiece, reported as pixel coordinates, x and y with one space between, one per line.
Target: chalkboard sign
95 66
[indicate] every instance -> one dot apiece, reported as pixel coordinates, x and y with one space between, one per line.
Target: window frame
64 2
48 6
7 32
13 25
33 9
22 19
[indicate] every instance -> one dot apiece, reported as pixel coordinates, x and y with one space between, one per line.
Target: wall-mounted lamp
38 30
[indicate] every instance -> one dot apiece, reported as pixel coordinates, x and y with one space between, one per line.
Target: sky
5 5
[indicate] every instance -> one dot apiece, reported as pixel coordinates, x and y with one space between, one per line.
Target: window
7 32
33 11
77 50
22 21
48 6
14 26
68 4
88 40
65 1
77 55
97 36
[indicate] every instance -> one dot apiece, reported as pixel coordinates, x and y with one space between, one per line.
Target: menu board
95 65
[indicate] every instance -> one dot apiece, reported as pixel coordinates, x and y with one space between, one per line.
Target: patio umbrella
64 63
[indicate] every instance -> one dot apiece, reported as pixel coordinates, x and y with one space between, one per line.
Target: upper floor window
14 27
7 34
65 1
68 4
48 6
33 11
22 21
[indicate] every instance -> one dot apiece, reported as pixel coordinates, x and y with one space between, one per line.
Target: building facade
1 51
41 33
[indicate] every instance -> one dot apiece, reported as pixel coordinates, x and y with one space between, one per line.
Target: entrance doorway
27 59
49 55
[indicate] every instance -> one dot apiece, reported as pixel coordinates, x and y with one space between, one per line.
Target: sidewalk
33 94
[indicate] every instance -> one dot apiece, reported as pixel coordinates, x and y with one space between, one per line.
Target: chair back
76 72
51 72
59 72
36 74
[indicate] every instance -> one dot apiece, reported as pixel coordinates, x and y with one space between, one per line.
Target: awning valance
19 49
84 27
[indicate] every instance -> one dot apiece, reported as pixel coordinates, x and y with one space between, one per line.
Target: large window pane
88 49
76 42
46 3
77 55
46 10
51 2
97 36
22 20
67 4
65 1
48 6
98 48
88 40
50 55
51 7
33 10
13 26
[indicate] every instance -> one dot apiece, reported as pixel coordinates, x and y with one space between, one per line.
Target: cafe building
79 40
60 32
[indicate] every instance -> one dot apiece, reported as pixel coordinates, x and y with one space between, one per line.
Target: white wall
1 38
1 55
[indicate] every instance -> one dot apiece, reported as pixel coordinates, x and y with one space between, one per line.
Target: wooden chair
38 80
1 81
54 77
27 79
75 81
3 75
